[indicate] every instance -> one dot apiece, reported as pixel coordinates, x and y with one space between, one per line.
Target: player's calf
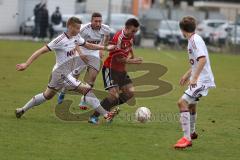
182 105
124 97
35 101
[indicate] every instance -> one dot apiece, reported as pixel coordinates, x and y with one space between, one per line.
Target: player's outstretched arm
98 47
131 55
128 60
34 56
106 40
201 62
105 43
136 60
82 56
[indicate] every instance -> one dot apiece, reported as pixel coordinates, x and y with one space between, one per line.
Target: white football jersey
93 36
197 49
64 48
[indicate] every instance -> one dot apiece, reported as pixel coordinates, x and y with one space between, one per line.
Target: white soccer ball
143 114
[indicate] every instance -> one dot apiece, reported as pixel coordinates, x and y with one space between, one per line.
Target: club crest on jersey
125 45
190 51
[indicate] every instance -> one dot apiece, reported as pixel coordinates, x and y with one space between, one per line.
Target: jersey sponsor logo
94 42
70 53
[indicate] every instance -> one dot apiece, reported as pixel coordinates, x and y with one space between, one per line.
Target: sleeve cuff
83 43
200 57
48 48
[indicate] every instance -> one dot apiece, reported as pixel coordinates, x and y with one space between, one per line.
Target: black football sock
107 104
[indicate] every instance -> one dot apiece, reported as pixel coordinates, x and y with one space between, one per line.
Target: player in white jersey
96 33
67 60
199 78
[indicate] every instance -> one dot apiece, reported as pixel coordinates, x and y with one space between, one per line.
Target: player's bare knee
180 103
49 93
113 97
113 93
48 96
183 105
128 95
84 88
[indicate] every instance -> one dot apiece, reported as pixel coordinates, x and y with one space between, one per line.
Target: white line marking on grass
170 55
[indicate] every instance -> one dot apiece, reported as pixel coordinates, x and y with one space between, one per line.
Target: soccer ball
143 114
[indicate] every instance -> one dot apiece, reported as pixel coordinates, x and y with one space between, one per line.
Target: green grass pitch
40 135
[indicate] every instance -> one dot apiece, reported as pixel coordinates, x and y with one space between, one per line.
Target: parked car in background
207 28
221 35
117 23
168 32
235 35
26 27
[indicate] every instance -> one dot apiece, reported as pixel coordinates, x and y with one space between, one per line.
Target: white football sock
35 101
185 122
193 118
102 111
92 100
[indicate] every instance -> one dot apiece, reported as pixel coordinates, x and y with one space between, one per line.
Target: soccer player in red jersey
116 80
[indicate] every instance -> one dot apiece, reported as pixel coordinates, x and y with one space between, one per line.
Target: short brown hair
73 20
96 14
132 22
188 24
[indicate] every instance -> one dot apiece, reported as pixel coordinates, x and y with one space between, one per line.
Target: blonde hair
73 20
